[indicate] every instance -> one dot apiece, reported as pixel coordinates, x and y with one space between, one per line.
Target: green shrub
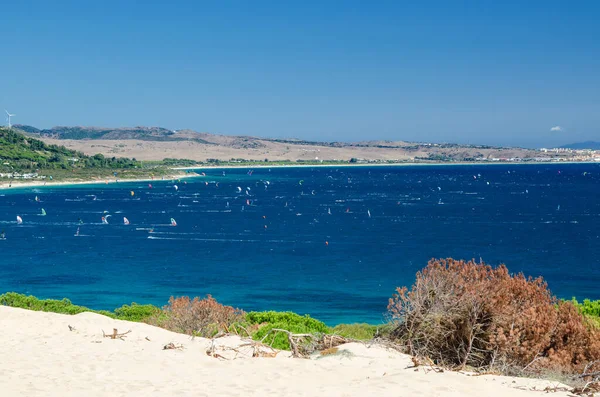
135 312
588 307
63 306
288 321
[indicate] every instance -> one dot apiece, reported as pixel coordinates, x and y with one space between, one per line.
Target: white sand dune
41 356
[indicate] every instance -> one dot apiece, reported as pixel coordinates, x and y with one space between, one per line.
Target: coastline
4 185
358 165
18 184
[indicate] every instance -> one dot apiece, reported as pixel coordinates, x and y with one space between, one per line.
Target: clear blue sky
491 72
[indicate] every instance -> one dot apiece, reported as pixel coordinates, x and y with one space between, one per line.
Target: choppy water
301 239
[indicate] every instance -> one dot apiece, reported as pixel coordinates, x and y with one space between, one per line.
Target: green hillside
19 153
23 157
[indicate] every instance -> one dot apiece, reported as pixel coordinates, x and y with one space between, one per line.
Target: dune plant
289 321
470 314
63 306
199 317
588 307
136 312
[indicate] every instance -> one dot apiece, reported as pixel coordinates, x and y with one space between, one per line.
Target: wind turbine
8 118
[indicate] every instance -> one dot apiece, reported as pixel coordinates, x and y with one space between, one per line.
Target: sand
41 356
22 183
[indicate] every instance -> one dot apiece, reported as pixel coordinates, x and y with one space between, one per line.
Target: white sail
125 221
19 220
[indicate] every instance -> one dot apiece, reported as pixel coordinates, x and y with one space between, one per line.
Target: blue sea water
332 242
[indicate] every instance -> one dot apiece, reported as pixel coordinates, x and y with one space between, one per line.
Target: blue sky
487 72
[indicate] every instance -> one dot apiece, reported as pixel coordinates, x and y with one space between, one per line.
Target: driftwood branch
115 334
292 341
585 375
172 346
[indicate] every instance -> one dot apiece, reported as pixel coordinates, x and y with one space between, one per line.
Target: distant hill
240 141
157 144
583 145
141 133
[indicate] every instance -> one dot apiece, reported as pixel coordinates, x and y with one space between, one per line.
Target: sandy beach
48 354
14 184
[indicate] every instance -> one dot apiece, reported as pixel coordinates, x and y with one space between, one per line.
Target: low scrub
470 314
360 331
136 312
292 322
63 306
588 307
199 317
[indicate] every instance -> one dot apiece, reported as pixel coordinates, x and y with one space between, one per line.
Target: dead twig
291 341
115 334
590 389
172 346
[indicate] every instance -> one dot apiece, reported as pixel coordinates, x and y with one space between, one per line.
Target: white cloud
556 128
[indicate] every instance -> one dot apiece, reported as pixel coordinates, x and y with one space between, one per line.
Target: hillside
23 157
156 143
143 133
592 145
18 152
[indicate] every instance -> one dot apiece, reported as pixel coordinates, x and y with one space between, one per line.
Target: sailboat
19 220
43 212
125 221
173 223
77 233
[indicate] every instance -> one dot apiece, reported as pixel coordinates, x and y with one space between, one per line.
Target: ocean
332 242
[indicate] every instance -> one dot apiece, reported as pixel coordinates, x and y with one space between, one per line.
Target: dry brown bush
470 314
200 317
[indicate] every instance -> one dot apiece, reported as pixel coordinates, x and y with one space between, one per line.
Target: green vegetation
361 331
288 321
63 306
136 312
133 312
22 155
179 162
204 318
590 309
